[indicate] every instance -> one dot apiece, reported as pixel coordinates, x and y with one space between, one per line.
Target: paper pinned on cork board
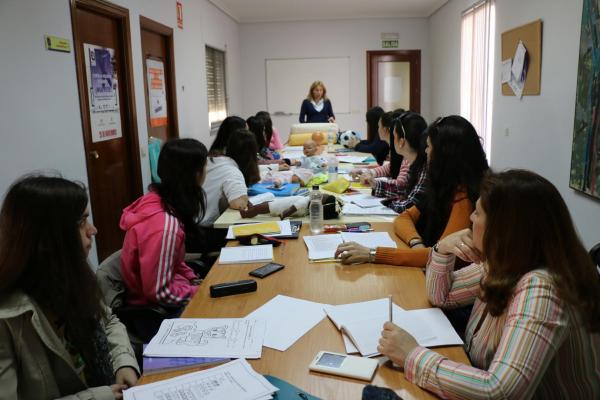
506 70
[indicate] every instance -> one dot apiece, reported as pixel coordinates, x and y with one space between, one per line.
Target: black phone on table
266 270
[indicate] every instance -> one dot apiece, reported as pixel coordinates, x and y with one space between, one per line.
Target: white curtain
477 67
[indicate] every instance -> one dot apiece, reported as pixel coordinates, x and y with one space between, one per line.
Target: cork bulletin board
531 35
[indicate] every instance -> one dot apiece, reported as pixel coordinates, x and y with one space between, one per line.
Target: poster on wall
585 156
157 95
103 90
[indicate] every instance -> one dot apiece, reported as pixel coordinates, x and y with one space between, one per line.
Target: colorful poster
157 95
103 90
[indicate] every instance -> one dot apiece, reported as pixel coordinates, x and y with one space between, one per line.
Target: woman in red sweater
456 165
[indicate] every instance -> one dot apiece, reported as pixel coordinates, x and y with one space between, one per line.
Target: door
103 58
394 79
159 79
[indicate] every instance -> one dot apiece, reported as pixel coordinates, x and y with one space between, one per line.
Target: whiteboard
288 81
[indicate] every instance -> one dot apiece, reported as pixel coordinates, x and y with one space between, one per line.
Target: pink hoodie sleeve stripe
160 259
165 269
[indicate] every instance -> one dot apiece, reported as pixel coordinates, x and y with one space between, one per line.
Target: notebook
157 365
321 247
246 254
251 229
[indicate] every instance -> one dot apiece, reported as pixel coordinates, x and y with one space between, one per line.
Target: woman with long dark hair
228 176
373 143
273 137
228 127
456 165
57 338
152 260
536 296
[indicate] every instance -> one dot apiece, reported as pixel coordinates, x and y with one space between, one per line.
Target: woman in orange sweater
456 165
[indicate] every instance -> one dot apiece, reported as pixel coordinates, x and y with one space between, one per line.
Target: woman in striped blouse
536 298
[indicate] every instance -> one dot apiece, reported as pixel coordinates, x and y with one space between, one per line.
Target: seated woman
152 260
408 141
273 137
536 298
57 338
456 165
265 154
374 144
228 128
228 177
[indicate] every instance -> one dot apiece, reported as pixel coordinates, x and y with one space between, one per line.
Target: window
477 68
216 87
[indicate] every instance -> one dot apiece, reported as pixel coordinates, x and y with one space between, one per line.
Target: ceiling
248 11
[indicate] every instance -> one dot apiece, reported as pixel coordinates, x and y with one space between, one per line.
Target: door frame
121 14
413 57
158 28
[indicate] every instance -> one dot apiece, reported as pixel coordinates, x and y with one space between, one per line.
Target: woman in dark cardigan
316 107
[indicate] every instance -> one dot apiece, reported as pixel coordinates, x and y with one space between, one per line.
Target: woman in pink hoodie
152 260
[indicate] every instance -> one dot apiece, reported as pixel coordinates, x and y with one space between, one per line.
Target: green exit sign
387 44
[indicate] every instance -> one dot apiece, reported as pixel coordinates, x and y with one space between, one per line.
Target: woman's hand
352 253
331 120
117 390
368 180
357 172
126 376
396 343
461 244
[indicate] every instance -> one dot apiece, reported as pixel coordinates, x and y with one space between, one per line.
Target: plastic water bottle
316 211
332 168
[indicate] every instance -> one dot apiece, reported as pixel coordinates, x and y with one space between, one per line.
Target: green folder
288 391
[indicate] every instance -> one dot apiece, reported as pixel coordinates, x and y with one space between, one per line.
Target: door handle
94 154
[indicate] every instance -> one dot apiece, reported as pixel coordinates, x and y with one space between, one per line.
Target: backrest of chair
110 281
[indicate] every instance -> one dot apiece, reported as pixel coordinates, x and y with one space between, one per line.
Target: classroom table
330 283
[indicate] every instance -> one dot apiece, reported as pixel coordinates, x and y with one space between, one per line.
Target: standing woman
316 107
536 296
152 260
57 338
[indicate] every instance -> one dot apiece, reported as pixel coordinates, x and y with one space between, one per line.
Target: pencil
391 315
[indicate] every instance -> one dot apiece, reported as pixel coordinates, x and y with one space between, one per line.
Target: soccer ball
349 139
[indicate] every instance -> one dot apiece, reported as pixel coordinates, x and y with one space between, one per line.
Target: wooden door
158 56
101 30
394 79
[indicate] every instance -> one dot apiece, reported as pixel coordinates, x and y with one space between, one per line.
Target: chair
142 322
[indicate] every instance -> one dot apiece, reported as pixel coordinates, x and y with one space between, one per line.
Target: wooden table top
330 283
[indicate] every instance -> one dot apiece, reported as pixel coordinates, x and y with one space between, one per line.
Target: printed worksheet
205 337
234 380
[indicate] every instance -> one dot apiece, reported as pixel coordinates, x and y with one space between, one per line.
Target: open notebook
322 247
246 254
363 322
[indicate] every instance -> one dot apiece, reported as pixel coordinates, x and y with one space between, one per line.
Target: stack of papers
234 380
363 200
288 319
353 209
321 247
208 337
351 159
246 254
363 322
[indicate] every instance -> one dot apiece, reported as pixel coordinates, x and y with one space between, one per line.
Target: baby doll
283 207
310 159
297 175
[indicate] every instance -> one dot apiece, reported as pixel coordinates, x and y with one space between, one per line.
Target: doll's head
310 148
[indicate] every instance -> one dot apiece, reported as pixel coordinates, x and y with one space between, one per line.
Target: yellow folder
252 229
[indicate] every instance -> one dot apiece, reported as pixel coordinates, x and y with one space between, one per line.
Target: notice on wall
103 92
157 95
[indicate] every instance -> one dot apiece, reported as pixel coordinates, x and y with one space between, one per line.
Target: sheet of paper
506 70
261 198
434 320
364 200
369 239
351 159
321 247
284 226
353 209
346 313
208 337
293 155
234 380
292 148
246 254
350 347
517 86
288 319
519 60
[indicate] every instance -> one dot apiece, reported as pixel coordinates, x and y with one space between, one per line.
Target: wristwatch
372 255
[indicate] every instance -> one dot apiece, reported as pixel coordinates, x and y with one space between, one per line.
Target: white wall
39 105
343 38
540 128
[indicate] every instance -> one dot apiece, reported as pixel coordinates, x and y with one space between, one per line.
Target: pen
391 316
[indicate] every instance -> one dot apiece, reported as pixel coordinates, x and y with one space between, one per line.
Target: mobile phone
344 365
266 270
